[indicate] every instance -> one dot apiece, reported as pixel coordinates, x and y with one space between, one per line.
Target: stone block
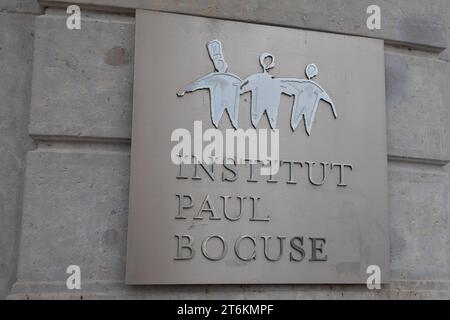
417 112
418 199
83 79
16 52
411 22
20 6
75 213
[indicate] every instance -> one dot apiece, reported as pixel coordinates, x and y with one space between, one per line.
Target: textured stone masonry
413 22
16 56
72 93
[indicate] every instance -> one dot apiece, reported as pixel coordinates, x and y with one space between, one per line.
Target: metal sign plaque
315 212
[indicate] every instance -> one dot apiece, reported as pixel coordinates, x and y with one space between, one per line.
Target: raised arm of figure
201 83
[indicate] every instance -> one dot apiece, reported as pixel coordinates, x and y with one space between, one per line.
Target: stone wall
16 57
75 198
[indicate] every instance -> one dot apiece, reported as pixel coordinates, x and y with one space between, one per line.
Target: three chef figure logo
225 89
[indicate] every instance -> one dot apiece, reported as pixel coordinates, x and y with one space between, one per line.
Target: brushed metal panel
171 52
